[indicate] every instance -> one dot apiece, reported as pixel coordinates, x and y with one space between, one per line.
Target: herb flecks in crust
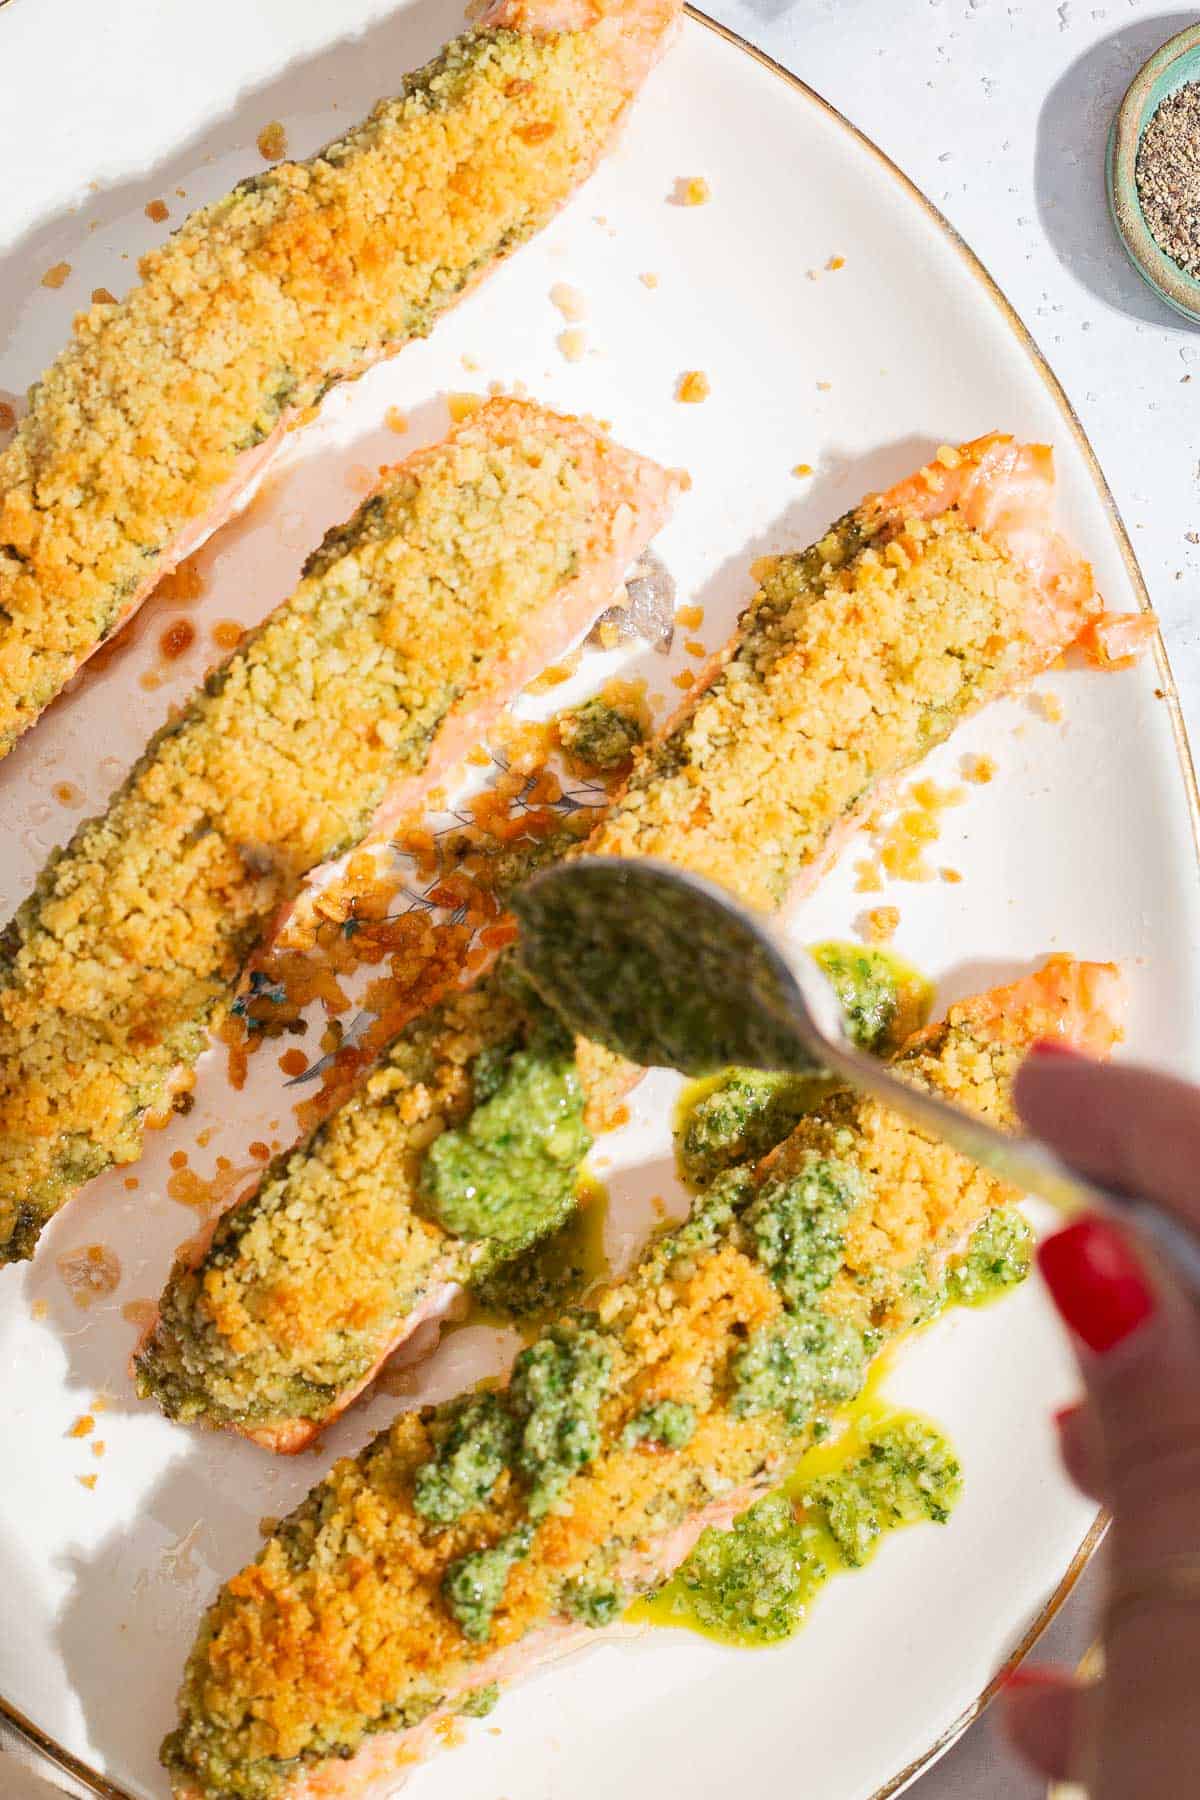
306 1280
304 274
464 1528
128 950
854 659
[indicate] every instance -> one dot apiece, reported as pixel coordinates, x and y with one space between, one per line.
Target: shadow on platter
349 75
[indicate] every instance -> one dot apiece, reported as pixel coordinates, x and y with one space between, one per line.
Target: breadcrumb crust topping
127 951
856 657
303 275
853 658
340 1629
297 1294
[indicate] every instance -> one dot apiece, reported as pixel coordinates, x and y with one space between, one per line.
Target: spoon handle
1022 1161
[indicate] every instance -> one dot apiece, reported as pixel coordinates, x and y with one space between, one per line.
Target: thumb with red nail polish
1137 1439
1098 1284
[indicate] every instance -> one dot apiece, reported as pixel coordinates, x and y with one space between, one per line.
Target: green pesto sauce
557 1388
998 1257
800 1367
753 1584
796 1226
666 1424
545 1427
473 1587
474 1439
884 998
480 1701
592 1605
739 1115
532 1289
749 1585
601 734
654 971
509 1173
908 1472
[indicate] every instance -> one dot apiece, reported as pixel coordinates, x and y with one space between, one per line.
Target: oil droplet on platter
89 1274
178 637
140 1313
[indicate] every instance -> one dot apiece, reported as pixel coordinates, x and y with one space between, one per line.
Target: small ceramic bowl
1177 63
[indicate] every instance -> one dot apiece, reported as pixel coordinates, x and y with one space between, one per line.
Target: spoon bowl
669 970
666 969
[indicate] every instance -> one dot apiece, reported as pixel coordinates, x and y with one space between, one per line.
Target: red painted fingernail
1052 1047
1063 1414
1097 1283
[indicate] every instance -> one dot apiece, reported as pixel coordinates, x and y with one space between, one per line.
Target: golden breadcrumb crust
301 276
857 656
854 657
298 1293
340 1622
130 945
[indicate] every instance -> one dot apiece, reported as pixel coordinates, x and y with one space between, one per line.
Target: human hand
1133 1443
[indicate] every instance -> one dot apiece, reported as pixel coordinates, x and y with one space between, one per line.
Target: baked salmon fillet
470 1540
853 658
857 656
476 562
167 406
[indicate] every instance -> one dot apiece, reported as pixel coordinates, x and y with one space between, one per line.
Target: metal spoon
671 971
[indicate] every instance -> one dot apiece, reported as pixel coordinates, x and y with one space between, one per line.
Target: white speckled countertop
999 110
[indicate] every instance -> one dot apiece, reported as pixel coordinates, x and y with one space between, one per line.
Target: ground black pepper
1168 177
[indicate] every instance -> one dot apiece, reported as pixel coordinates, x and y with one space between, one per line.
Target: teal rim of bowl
1170 68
